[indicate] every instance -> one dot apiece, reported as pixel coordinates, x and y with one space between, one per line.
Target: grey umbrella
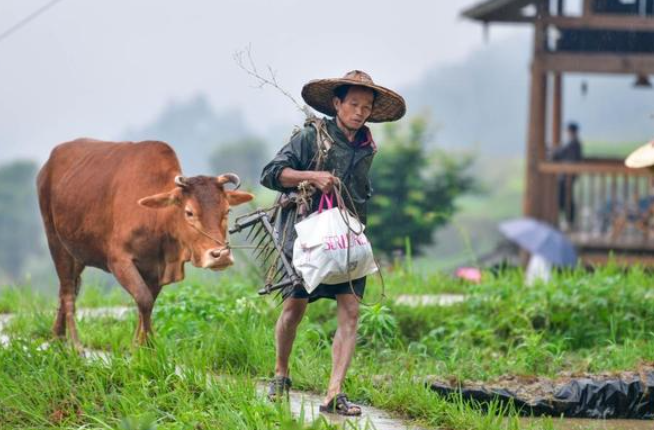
540 238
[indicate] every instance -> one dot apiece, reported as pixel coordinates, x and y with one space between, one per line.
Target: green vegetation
414 191
19 219
472 231
579 322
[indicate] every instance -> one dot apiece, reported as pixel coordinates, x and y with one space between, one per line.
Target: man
340 149
570 152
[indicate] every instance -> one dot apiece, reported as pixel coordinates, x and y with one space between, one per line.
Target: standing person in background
570 152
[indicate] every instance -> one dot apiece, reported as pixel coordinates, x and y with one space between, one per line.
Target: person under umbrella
548 247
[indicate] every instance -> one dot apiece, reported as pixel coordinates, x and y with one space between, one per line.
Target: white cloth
538 269
320 252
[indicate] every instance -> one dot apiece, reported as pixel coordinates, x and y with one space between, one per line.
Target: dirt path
418 300
306 404
580 424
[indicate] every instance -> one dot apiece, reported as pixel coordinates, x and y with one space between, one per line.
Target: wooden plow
266 232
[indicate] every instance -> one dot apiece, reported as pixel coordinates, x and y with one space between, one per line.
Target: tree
414 192
245 157
20 223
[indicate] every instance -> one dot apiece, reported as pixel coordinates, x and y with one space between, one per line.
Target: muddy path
532 388
581 424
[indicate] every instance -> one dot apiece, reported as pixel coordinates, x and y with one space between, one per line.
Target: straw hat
388 106
641 157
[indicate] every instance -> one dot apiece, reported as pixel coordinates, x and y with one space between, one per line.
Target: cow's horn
180 181
230 178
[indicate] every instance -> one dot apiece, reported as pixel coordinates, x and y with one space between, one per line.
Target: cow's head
201 205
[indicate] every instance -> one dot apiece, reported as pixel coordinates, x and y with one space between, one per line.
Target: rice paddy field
214 347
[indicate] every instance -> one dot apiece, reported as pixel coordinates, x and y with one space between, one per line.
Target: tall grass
600 321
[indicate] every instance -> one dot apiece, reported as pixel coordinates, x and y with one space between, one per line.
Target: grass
139 390
579 322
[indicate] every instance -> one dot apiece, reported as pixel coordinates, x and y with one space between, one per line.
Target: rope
339 187
204 233
227 245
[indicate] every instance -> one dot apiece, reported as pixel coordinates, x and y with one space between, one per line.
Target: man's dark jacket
349 161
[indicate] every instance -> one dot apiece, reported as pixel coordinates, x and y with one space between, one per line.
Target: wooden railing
604 205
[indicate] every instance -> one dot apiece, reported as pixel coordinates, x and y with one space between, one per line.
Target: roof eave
508 11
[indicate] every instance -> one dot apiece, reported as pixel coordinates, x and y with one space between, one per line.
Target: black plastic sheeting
579 398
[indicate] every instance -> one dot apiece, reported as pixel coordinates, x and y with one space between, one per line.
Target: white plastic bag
320 252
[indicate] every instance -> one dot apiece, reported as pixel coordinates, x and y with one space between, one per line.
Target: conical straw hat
641 157
388 106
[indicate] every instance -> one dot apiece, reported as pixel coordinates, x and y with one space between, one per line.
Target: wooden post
588 7
550 182
533 200
557 111
535 140
551 185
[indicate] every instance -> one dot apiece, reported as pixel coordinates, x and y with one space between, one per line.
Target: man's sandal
339 405
279 388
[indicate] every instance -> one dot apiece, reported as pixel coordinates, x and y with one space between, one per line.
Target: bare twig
244 60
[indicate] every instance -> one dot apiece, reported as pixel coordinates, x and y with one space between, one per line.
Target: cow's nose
218 258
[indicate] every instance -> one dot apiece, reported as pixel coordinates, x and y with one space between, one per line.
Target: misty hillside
482 102
194 129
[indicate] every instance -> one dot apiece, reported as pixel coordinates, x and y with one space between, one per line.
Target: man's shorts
324 291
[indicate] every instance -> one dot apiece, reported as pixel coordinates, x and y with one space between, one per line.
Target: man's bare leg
344 342
285 330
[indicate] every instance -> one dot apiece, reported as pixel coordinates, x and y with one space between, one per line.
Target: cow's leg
69 298
129 277
69 271
139 328
145 318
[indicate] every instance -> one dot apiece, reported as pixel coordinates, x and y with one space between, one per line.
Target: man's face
355 109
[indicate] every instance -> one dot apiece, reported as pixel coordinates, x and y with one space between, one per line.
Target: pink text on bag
343 241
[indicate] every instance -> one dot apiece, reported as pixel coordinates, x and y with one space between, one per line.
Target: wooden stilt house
614 205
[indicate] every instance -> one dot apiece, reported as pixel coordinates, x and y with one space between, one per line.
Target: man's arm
291 178
288 168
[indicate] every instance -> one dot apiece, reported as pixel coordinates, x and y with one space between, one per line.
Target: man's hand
324 181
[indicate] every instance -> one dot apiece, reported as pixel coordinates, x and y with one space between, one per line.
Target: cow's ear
235 198
162 200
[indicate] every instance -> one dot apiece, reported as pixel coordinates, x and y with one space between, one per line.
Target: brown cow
124 208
